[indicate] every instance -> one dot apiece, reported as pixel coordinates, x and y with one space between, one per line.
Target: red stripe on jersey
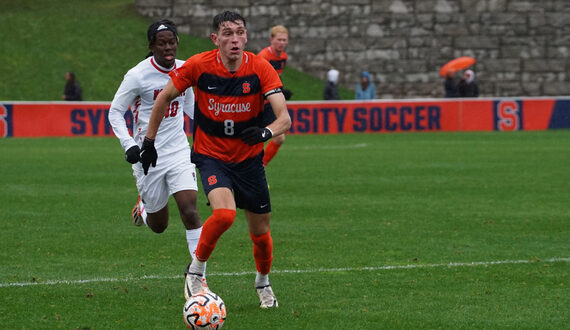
159 68
228 105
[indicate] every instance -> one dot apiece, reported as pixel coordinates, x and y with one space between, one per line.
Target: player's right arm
124 97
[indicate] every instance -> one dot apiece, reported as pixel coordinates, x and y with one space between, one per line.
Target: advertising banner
45 119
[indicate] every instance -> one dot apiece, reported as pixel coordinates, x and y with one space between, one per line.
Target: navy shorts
246 179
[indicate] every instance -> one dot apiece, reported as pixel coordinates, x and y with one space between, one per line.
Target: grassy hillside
97 39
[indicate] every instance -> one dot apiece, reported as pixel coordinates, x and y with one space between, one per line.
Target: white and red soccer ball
205 310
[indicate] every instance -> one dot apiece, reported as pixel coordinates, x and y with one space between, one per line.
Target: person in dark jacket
72 91
331 88
467 86
450 84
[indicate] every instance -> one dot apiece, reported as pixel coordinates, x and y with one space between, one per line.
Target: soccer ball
205 310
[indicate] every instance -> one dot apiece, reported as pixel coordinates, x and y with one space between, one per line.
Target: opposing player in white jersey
175 174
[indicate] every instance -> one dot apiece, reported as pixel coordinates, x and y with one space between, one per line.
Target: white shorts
169 176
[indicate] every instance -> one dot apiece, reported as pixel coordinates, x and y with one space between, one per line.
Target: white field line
329 147
292 271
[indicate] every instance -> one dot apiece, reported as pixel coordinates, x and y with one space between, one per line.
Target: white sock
261 280
192 237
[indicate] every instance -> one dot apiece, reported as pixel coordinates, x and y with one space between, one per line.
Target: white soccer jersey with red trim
137 93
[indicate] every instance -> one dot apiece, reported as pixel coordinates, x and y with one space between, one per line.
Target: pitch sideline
289 271
329 147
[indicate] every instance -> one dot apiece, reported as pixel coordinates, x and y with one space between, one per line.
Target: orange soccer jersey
277 62
226 103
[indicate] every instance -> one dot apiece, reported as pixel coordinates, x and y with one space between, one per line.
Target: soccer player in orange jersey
230 87
277 57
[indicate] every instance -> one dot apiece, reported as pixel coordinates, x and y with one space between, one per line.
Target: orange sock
270 152
262 252
220 221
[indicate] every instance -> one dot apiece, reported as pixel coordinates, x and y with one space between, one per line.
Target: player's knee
262 241
158 221
224 217
157 227
190 217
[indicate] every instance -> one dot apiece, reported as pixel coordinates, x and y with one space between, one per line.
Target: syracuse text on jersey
228 107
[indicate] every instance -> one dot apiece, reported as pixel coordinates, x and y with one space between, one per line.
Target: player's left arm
282 122
274 95
161 104
254 134
148 154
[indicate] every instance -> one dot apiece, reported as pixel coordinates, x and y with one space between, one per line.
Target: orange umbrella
457 64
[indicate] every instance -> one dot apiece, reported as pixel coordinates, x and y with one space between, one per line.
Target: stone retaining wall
522 47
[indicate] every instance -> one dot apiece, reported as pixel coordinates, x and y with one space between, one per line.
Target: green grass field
386 231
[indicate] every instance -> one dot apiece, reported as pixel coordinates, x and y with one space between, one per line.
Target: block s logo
246 88
5 120
212 180
508 115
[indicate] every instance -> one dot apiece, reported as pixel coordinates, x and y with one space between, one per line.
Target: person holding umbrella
450 84
448 71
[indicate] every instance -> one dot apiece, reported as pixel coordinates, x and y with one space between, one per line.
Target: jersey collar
245 59
160 68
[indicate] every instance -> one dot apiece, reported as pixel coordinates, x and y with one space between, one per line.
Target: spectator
451 84
365 90
467 86
72 91
331 88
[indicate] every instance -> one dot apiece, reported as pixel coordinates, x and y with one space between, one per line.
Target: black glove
133 155
254 135
287 93
148 154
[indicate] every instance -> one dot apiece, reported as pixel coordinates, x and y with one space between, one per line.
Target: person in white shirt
175 174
